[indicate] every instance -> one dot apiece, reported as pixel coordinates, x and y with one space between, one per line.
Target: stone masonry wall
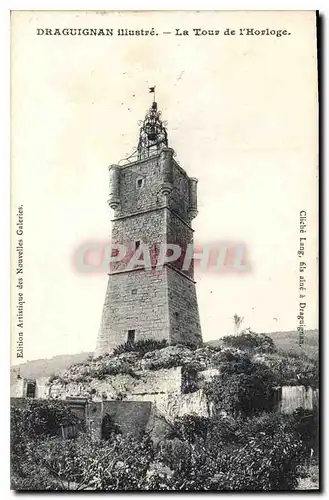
148 228
183 309
165 381
179 200
137 301
134 198
162 388
180 234
173 405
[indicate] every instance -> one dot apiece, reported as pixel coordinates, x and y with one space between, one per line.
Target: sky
242 118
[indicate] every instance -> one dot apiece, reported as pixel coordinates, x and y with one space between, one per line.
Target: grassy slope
288 342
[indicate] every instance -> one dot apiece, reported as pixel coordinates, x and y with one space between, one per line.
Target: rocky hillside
287 369
131 362
286 341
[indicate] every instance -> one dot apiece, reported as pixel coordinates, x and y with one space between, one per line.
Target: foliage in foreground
221 453
35 421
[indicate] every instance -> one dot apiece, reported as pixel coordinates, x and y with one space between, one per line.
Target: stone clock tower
154 202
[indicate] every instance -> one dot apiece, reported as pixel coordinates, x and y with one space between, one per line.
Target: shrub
242 387
264 463
295 370
259 453
249 340
189 377
112 368
82 379
52 378
121 368
306 424
164 364
140 347
40 417
189 428
36 420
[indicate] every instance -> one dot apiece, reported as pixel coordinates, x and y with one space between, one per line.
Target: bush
52 378
80 379
163 363
307 426
189 377
140 347
249 340
242 387
111 367
189 428
294 370
39 417
36 420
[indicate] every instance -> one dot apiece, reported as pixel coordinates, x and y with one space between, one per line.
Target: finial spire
153 134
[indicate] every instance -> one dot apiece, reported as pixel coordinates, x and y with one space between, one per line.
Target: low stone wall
171 406
116 387
293 397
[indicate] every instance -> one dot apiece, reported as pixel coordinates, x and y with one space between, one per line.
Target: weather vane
152 91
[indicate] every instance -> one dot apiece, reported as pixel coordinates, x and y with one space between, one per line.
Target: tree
238 320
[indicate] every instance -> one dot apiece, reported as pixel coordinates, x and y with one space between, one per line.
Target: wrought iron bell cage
152 135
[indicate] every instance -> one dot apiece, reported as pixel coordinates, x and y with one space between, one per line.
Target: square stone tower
154 202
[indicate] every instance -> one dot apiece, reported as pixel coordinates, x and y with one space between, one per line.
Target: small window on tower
134 291
131 336
140 183
137 244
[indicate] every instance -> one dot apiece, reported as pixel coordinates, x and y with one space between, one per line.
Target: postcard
164 250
